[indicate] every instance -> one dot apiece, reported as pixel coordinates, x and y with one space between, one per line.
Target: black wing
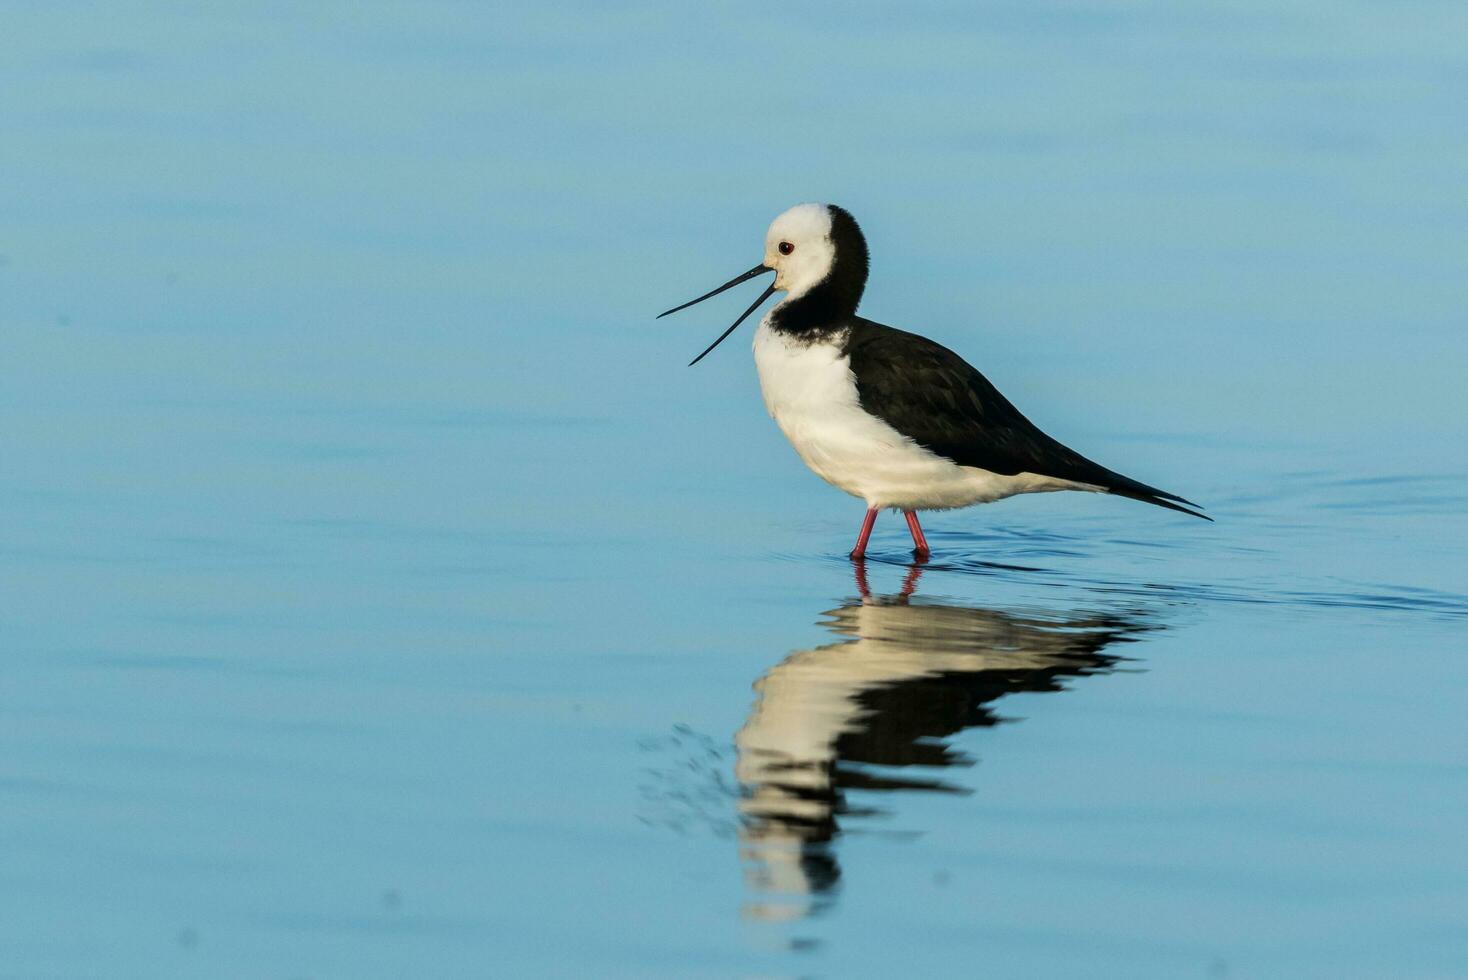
932 396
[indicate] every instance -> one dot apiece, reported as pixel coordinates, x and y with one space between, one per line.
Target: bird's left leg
919 543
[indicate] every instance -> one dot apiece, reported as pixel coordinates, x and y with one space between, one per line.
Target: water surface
381 597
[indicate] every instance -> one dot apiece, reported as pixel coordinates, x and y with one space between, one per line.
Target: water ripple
1054 559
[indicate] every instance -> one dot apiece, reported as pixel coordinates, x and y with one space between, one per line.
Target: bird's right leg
866 533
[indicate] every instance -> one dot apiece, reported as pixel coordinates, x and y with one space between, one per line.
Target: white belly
810 391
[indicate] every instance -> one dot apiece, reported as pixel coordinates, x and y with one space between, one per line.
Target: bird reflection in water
875 711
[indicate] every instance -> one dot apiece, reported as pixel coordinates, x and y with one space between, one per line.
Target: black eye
786 248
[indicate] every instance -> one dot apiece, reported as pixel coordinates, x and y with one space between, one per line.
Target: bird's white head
800 249
819 258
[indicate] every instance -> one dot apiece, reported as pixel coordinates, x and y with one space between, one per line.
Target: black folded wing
934 397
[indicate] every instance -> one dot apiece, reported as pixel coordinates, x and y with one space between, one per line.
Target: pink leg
866 534
919 543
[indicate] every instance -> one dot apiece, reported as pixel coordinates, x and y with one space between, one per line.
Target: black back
935 398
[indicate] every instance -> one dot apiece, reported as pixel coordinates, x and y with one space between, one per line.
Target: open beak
756 271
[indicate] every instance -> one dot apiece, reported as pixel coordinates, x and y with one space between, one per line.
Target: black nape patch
832 301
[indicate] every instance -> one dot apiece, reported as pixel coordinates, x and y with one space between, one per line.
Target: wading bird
889 416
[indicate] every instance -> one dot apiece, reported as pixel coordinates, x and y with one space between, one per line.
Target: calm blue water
380 596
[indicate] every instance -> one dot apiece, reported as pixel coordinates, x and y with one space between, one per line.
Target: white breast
810 391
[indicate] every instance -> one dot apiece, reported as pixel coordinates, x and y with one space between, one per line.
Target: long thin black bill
755 305
757 270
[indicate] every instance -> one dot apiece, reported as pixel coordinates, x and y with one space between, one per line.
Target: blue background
363 540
